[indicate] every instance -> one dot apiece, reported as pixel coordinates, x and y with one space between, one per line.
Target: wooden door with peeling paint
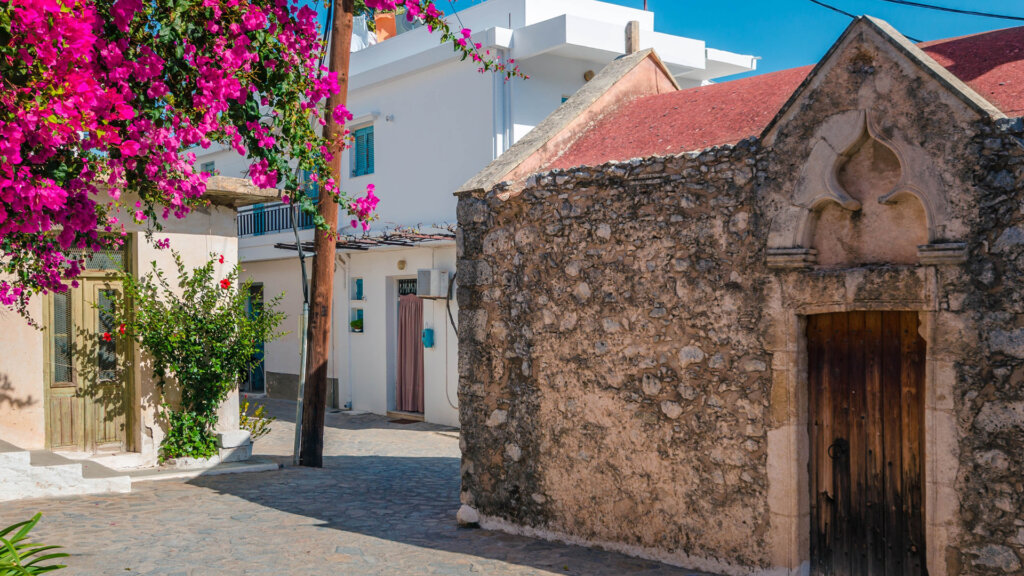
866 383
88 393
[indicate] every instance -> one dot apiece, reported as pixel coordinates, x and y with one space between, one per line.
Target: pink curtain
409 388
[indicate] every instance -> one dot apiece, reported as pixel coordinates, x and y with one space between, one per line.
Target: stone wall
613 381
616 361
989 396
632 362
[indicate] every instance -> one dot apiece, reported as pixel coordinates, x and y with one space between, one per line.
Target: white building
425 123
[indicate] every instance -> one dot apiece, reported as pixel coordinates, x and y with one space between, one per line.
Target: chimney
633 37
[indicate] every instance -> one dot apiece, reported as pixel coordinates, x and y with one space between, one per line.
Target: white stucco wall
373 351
432 132
22 406
364 363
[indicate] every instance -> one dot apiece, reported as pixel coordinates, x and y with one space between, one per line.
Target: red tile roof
992 63
685 120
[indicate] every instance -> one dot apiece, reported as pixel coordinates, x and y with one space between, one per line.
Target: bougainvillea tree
102 101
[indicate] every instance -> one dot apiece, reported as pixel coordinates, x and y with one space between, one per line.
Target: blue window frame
312 188
362 152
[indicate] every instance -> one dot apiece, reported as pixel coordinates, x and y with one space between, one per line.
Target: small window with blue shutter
362 152
312 188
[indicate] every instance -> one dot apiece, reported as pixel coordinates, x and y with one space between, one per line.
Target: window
362 152
207 167
311 188
407 287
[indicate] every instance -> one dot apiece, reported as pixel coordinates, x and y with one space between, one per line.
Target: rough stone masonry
632 372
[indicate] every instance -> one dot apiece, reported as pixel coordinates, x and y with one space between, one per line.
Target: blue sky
788 33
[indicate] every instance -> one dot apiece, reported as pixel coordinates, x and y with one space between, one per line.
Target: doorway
408 359
87 406
865 375
256 380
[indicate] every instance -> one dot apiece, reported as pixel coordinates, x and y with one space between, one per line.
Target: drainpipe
501 109
303 322
345 262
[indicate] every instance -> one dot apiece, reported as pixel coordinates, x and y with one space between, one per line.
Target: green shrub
257 423
21 558
201 339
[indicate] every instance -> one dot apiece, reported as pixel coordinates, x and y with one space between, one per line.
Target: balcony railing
270 219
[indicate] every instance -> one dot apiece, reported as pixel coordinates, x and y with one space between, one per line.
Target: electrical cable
954 10
834 9
853 17
463 26
451 318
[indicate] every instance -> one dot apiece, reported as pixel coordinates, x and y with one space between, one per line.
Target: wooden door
87 408
65 409
866 382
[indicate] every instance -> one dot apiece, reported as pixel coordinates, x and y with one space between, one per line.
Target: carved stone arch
840 136
917 180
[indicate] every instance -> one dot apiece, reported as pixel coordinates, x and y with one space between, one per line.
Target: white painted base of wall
671 558
20 479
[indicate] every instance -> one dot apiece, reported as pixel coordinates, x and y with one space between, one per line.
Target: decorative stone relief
820 198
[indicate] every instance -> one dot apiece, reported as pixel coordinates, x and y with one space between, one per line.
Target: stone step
28 474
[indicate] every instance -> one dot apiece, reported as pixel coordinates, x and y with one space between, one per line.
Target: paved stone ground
384 504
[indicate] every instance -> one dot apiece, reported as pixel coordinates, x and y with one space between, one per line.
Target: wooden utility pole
315 395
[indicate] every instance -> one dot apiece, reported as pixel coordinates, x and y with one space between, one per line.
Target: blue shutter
312 188
363 152
369 150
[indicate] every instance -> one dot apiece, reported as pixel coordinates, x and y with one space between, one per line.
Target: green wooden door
88 405
65 410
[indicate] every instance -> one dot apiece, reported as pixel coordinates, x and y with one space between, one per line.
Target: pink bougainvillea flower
225 284
221 259
130 148
121 328
94 102
107 337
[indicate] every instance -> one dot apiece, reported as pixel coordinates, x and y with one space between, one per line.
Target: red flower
121 328
221 259
106 337
225 284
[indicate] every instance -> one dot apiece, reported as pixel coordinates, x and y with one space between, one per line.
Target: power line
834 9
953 10
851 16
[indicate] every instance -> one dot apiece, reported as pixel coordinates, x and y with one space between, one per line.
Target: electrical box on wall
432 283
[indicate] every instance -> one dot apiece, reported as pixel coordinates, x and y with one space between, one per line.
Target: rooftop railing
269 219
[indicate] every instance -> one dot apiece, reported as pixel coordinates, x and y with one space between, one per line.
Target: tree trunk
315 397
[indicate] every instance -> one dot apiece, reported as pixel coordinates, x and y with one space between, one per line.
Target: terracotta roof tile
992 63
685 120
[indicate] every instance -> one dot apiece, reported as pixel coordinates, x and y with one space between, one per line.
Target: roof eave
499 169
238 192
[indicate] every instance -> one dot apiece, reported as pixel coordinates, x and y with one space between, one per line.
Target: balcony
269 219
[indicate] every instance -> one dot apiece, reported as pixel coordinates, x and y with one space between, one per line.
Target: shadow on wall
7 397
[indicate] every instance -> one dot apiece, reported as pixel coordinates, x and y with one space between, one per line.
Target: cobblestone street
384 504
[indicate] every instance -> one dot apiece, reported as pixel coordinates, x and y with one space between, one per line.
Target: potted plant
357 325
